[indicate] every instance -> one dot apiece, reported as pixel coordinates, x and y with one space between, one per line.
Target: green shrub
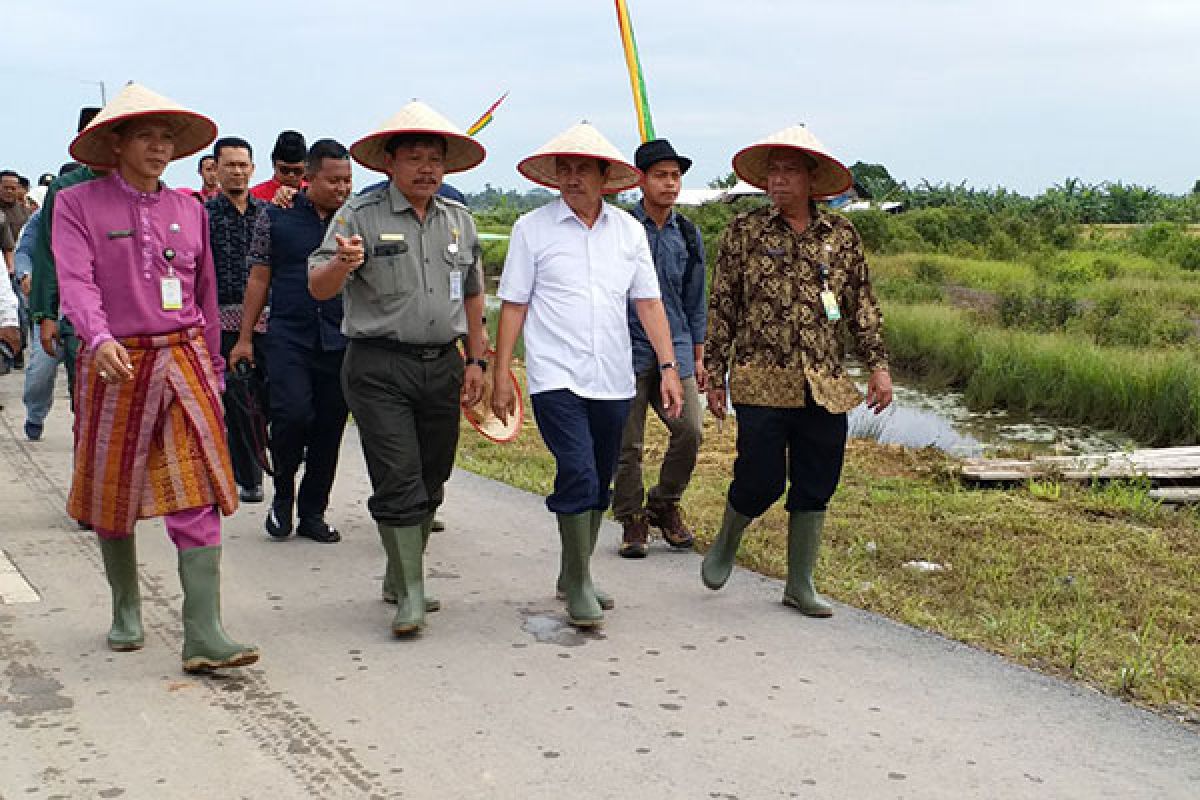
1040 309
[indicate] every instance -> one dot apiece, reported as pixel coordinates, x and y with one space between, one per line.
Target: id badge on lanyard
172 291
828 299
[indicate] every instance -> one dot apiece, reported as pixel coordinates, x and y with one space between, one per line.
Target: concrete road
685 693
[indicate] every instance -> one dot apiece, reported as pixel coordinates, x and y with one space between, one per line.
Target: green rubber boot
389 591
120 567
718 561
206 646
575 530
804 541
408 577
602 597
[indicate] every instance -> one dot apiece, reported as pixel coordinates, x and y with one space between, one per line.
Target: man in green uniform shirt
57 336
410 268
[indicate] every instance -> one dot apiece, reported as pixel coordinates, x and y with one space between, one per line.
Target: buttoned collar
401 204
564 212
222 204
639 212
818 219
138 194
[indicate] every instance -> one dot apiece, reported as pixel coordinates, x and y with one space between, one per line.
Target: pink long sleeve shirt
114 245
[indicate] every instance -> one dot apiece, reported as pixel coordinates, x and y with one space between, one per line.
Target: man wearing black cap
678 254
287 158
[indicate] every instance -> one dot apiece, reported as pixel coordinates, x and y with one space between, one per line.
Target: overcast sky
1019 94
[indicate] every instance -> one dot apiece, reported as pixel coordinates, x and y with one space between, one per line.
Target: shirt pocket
390 274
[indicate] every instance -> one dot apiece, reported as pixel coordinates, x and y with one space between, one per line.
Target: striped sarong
154 444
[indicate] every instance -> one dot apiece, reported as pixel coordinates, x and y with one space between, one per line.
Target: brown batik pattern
766 322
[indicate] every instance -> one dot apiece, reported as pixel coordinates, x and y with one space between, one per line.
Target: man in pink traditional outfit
136 277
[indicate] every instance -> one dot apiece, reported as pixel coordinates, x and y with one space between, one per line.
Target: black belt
421 352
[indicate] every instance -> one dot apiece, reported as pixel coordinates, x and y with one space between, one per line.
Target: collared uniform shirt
415 276
114 244
283 240
682 284
765 304
15 216
230 232
577 282
8 241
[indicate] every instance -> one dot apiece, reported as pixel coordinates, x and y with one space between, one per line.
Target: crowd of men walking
191 322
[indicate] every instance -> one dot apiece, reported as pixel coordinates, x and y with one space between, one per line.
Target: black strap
691 238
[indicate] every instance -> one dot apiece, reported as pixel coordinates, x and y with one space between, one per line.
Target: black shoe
279 525
315 528
251 494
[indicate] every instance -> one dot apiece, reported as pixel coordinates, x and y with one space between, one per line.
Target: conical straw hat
93 146
485 421
462 152
830 178
580 140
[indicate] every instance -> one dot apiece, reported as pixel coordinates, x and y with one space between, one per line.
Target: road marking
13 586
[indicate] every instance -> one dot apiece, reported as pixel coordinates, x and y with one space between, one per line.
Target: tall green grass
1154 396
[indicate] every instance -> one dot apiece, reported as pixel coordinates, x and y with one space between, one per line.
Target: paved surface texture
685 693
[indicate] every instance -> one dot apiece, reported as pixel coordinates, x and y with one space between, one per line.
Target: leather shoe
634 537
251 494
33 430
316 529
279 524
666 517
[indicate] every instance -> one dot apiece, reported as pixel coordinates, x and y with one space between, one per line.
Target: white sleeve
8 303
516 282
645 279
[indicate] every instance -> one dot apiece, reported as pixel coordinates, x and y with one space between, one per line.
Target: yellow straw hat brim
462 152
94 144
581 140
830 177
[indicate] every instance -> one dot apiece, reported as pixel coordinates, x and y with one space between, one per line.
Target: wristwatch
667 365
481 362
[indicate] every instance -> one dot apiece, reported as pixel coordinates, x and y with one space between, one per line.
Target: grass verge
1096 585
1152 395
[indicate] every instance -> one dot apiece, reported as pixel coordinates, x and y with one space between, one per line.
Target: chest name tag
830 303
456 285
172 294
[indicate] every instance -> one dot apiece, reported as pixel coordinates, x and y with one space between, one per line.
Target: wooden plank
1177 495
1168 463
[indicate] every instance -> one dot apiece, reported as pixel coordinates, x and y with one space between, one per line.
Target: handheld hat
830 177
650 153
482 418
93 145
462 152
580 140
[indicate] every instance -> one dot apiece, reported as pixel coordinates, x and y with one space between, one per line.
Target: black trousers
776 446
407 413
246 470
308 417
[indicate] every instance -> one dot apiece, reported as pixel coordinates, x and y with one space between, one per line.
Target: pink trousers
192 527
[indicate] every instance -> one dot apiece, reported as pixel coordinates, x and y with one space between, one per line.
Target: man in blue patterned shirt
231 218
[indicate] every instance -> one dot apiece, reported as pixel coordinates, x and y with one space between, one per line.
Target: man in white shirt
572 268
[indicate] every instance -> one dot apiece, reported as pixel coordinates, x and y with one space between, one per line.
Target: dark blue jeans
777 446
585 437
